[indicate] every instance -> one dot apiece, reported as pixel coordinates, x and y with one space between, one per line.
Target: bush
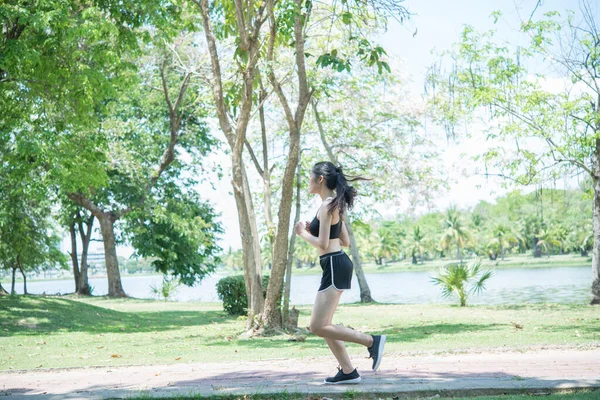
232 291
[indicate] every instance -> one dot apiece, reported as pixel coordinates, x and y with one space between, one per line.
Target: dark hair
336 180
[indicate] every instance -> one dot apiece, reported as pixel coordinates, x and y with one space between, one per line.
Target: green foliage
233 259
167 288
455 231
331 59
133 266
454 278
539 127
232 291
180 232
557 221
29 239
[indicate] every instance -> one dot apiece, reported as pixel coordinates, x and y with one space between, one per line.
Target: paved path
499 372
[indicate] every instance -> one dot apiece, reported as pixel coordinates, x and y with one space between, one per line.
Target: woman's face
314 187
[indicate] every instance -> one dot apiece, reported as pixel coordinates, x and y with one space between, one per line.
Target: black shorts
337 271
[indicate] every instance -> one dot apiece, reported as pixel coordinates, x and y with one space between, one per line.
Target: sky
434 26
438 24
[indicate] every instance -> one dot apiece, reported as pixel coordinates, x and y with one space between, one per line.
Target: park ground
48 337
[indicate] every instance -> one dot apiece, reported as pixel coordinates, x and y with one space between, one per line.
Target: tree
179 232
131 177
233 259
504 237
289 22
28 239
80 223
368 113
292 248
540 124
417 244
243 22
64 66
454 277
455 231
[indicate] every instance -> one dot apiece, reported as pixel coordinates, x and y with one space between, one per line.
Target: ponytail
335 179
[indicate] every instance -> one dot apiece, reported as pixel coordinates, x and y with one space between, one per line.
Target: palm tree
547 238
586 245
454 277
233 259
417 244
370 244
504 237
390 244
455 231
304 254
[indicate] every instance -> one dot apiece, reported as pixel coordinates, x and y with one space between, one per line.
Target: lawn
44 332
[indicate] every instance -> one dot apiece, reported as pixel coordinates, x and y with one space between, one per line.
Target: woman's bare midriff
334 244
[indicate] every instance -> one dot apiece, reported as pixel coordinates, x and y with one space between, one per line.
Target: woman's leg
320 323
338 348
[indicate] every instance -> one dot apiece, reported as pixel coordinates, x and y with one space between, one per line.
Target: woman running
327 232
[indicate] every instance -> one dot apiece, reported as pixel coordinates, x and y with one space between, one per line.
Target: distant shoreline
511 262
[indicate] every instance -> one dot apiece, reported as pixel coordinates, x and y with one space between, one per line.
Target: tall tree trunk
74 254
237 138
250 244
107 228
257 300
365 291
272 311
271 317
596 223
3 291
24 281
266 171
501 250
84 285
290 258
12 289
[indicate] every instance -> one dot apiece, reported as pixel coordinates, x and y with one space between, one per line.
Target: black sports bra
334 232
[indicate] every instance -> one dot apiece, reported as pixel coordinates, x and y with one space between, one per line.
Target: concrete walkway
497 372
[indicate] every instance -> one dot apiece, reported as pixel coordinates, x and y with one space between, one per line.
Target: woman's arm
322 241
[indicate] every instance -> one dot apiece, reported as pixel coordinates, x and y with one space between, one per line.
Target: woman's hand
300 228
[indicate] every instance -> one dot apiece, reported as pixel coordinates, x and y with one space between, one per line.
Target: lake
507 286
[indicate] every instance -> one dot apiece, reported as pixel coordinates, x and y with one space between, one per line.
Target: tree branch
332 156
239 16
86 203
217 84
254 159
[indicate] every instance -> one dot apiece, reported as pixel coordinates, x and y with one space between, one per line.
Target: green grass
589 394
44 332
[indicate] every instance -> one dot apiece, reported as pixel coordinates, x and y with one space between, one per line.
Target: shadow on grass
394 334
32 315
